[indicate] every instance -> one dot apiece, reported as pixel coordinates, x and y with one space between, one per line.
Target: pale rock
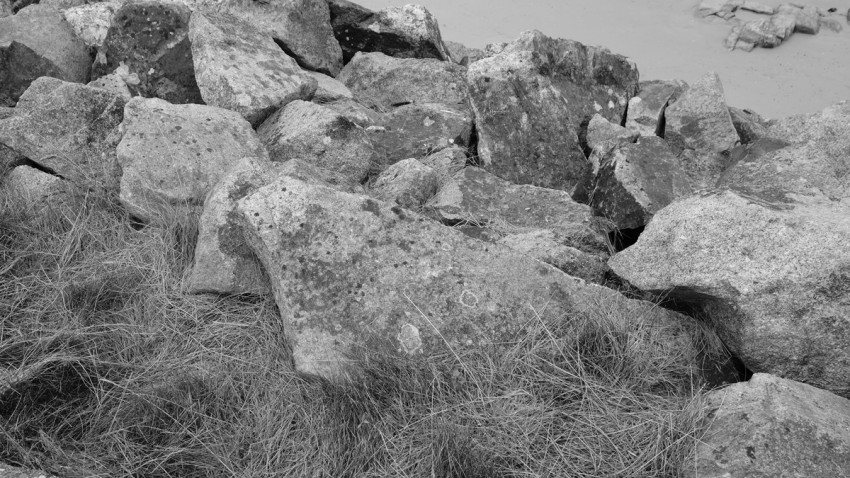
647 108
407 183
329 89
420 129
545 246
91 22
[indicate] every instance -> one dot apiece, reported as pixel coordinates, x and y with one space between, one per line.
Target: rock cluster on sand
399 193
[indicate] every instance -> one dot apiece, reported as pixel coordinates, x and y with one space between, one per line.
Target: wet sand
667 40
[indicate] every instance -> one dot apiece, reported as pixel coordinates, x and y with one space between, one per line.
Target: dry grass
108 370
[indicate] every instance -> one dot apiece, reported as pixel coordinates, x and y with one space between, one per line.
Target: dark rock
749 125
462 54
418 130
355 112
647 108
151 38
382 82
38 42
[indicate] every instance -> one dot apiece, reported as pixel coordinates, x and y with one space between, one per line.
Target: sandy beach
667 40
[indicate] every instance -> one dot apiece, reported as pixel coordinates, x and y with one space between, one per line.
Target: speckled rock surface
329 89
177 153
771 277
600 131
749 125
355 112
545 246
770 426
407 183
320 136
647 108
348 272
828 129
69 128
381 81
36 42
418 130
637 180
36 188
402 32
462 54
91 22
240 68
446 162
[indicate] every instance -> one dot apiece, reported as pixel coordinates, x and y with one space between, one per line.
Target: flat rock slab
402 32
37 42
176 153
478 197
151 38
242 69
69 128
320 136
647 108
418 130
772 278
636 180
770 426
349 272
383 82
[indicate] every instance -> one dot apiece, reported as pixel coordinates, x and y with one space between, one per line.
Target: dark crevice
400 103
624 238
297 59
625 116
472 158
582 138
662 121
44 169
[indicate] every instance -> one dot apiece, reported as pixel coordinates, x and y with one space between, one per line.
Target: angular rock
402 32
407 183
601 131
748 124
446 162
761 33
151 38
783 24
771 278
806 19
223 262
757 7
38 42
239 68
329 89
637 180
462 54
418 130
770 426
545 246
711 7
646 110
350 272
69 128
382 82
528 122
5 8
831 24
478 197
175 154
320 136
355 112
118 82
91 22
35 188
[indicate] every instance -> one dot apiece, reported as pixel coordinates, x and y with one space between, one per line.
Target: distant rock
382 82
462 54
647 108
70 128
175 154
770 426
806 19
420 129
320 136
355 112
240 68
151 38
36 42
407 183
402 32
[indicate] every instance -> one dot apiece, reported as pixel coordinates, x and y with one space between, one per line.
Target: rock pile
401 193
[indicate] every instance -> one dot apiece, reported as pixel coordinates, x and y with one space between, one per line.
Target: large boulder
240 68
175 154
769 426
349 272
532 101
69 128
151 39
772 278
403 32
38 42
647 108
635 180
418 130
382 82
320 136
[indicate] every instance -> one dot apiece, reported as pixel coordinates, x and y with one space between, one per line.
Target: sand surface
667 40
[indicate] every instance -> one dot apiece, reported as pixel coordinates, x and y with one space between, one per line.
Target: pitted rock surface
240 68
418 130
407 183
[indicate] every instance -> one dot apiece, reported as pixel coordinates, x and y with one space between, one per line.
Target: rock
711 7
418 130
771 277
5 9
91 22
757 7
783 24
151 38
407 183
175 154
223 262
239 68
544 245
647 108
748 124
806 19
329 89
8 471
350 272
462 54
831 24
446 162
600 131
34 188
320 136
69 128
637 180
528 123
38 42
382 82
480 198
355 112
770 426
761 33
402 32
118 82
